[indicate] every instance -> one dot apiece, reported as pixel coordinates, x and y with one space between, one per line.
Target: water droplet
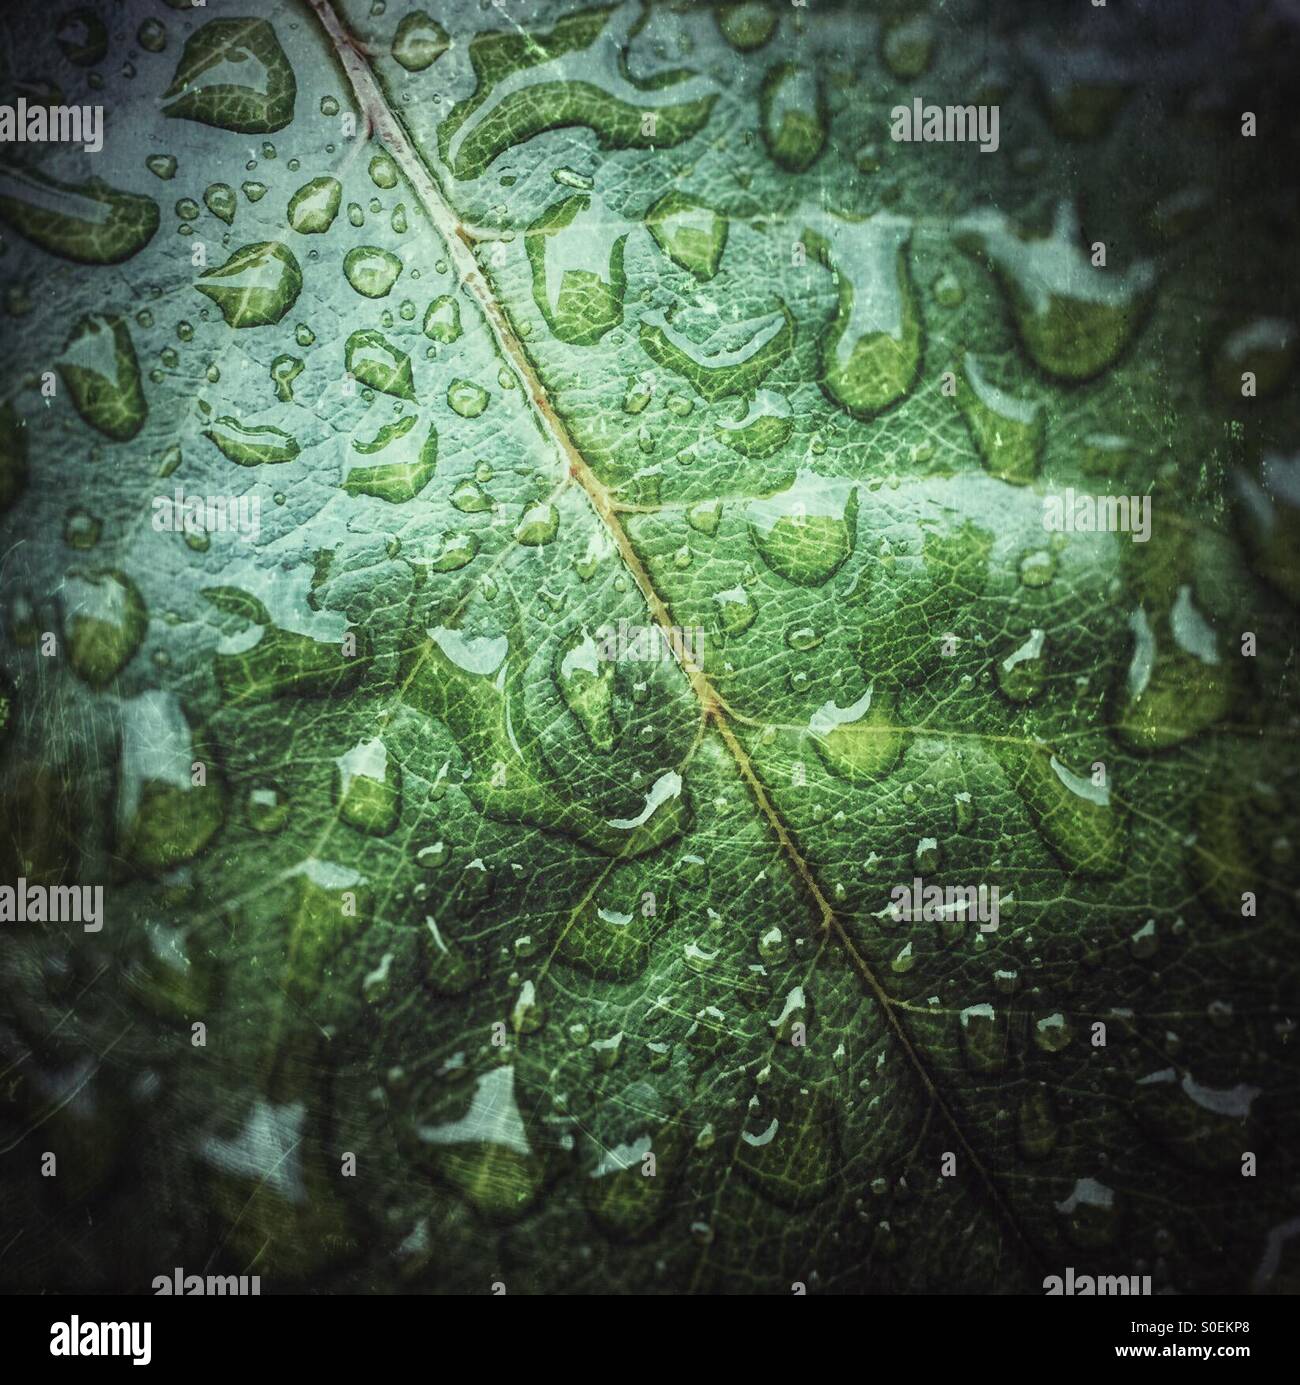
82 37
152 36
314 206
1204 1128
735 610
862 741
442 319
1264 346
570 178
793 116
690 234
455 550
1052 1033
375 362
267 808
576 256
1008 431
466 398
983 1040
104 623
704 516
368 788
746 24
1023 673
1091 1214
419 41
485 1155
586 683
734 358
100 369
538 525
871 351
762 425
1037 568
383 171
1074 814
284 371
90 223
371 271
948 290
256 286
233 74
1036 1125
471 499
1074 319
806 532
162 817
81 529
251 445
908 45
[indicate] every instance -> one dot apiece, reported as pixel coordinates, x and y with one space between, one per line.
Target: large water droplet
983 1039
466 398
485 1154
689 233
793 117
1203 1127
1176 684
763 425
100 369
233 74
1023 673
419 41
1008 431
368 788
104 622
1265 347
442 319
862 741
256 286
475 687
1073 813
251 445
732 359
746 24
586 683
605 942
538 525
89 222
871 351
1073 318
371 271
162 816
220 200
1091 1214
314 206
374 361
576 255
789 1146
805 532
527 87
404 470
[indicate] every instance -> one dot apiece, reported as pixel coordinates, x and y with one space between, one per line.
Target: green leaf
626 645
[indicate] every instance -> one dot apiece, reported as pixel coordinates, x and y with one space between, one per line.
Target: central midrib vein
383 120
